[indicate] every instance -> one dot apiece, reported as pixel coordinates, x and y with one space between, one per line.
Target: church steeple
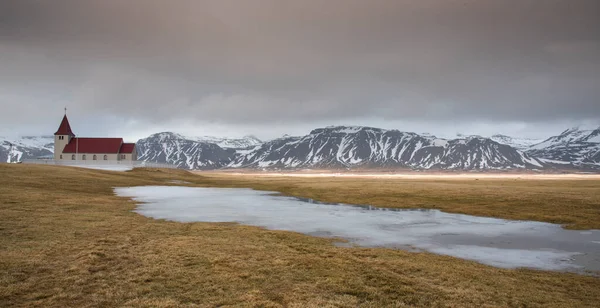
64 128
62 137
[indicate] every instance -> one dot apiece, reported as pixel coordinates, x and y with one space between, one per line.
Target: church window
94 158
61 157
83 157
73 157
105 157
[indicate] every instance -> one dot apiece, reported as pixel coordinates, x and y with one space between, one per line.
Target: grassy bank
67 240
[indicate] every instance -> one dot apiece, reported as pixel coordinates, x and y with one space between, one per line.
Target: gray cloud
250 63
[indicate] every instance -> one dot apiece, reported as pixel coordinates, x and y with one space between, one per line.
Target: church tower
62 137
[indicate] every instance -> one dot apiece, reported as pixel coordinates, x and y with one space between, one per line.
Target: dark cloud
156 63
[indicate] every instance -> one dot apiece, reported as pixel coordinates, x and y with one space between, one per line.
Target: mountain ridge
17 149
575 145
351 147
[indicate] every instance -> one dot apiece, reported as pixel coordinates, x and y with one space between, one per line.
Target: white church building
68 147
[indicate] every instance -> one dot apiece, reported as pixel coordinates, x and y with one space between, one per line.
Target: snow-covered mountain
178 150
351 147
573 146
517 143
17 149
229 143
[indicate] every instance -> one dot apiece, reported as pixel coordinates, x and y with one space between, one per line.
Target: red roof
94 145
64 128
127 148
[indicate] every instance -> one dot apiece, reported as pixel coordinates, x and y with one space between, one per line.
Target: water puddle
496 242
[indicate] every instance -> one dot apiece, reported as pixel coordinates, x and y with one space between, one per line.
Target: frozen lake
496 242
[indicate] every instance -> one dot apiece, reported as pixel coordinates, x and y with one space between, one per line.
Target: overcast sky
272 67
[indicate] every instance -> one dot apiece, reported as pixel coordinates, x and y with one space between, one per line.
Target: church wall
113 157
79 156
59 145
129 157
134 154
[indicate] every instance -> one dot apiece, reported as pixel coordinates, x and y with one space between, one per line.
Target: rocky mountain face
593 158
29 147
178 150
353 147
575 146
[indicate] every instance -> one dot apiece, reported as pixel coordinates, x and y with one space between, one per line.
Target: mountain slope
229 143
517 143
593 158
28 147
346 147
574 146
175 149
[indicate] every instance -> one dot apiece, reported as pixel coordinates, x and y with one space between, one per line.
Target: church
68 147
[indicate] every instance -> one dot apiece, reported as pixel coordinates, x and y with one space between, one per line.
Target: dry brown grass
66 240
574 203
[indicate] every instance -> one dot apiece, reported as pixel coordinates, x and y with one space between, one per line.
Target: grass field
574 203
67 240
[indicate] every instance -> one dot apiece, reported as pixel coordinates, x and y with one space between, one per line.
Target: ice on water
496 242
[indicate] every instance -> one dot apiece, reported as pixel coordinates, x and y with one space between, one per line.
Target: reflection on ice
497 242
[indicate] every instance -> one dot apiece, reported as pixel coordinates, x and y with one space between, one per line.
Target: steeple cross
65 110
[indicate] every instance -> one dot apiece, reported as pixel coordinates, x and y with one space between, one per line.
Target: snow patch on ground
532 161
552 161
